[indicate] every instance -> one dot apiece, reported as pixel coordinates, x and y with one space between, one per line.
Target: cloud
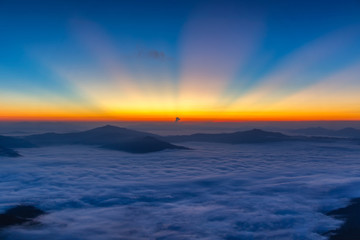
152 54
214 192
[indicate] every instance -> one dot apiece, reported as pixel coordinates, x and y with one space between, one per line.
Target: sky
196 60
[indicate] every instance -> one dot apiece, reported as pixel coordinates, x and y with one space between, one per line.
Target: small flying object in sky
177 119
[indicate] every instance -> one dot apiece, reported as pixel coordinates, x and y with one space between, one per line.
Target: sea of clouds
216 191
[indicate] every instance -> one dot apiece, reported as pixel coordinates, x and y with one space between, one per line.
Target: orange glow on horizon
191 117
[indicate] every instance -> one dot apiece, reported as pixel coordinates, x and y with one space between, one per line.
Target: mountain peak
256 130
108 126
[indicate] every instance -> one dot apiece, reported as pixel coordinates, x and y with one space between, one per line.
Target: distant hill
20 214
98 136
7 152
252 136
7 143
117 138
109 137
319 131
142 145
13 142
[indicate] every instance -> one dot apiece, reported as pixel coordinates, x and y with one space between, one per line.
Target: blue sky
225 49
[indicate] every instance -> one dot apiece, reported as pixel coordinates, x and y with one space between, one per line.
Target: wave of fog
272 191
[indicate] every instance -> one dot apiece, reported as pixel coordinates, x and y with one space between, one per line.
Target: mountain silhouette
142 145
98 136
251 136
121 138
319 131
13 142
18 215
350 229
7 152
349 132
109 137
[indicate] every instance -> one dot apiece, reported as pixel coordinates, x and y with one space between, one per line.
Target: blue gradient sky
222 60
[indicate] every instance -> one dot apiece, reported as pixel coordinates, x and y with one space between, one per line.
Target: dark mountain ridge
14 142
319 131
7 143
251 136
20 214
109 137
143 145
128 140
97 136
7 152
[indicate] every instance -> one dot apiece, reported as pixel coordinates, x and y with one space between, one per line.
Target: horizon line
182 121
